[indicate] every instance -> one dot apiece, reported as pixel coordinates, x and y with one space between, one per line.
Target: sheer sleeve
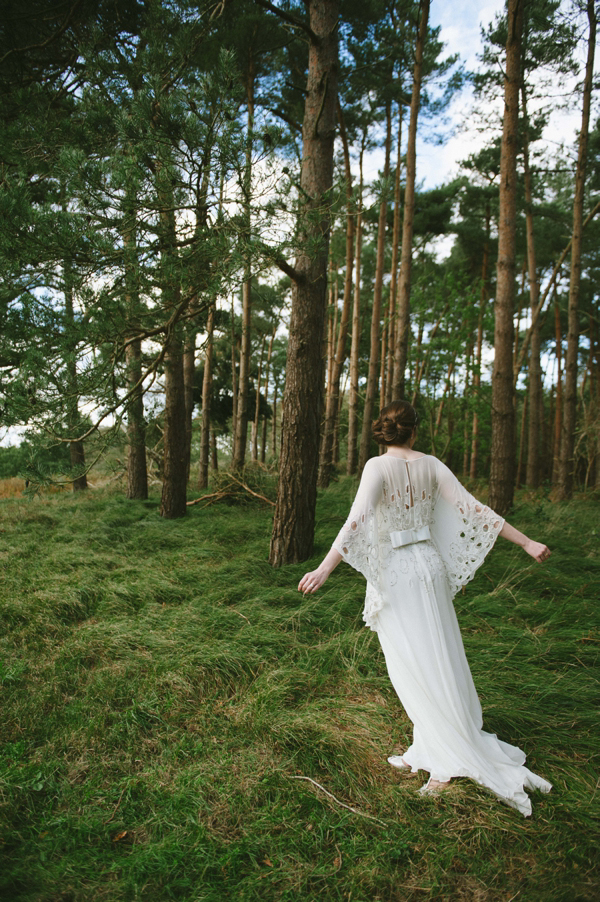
358 540
463 529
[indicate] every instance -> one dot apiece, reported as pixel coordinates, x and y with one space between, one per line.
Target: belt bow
402 537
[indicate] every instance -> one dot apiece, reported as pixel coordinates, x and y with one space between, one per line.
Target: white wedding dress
418 536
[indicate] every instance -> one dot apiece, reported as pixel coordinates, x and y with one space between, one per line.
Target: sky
461 22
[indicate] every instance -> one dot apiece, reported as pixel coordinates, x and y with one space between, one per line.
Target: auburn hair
395 424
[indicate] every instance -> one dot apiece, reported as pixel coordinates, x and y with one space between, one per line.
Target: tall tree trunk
468 369
567 442
517 331
503 409
76 449
214 453
403 305
173 499
383 351
448 383
257 404
274 424
263 444
189 369
241 424
534 388
389 378
522 434
352 459
372 378
558 413
332 409
189 347
294 521
137 475
206 399
234 381
595 340
479 343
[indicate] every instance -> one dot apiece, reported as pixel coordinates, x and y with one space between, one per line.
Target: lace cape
398 495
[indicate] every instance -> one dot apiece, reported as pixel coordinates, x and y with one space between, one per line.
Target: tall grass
165 693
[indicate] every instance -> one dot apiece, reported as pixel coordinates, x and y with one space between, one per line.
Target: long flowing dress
418 536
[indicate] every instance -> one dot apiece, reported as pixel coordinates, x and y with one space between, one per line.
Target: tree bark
373 374
326 463
558 413
263 445
479 344
503 409
274 424
241 424
257 404
595 340
137 475
522 435
189 368
214 453
534 388
294 521
234 393
173 499
352 459
403 305
206 399
76 448
567 442
389 379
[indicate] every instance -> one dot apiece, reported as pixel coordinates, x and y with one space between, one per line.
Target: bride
418 536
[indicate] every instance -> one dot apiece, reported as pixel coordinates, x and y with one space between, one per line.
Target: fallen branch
248 489
227 493
214 496
337 801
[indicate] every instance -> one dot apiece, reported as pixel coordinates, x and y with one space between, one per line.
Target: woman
418 536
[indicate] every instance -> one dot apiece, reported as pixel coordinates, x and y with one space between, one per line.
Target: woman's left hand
537 550
312 581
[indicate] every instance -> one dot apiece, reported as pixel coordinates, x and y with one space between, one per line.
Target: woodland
207 293
196 269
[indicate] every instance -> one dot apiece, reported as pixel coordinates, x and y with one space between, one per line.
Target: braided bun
395 424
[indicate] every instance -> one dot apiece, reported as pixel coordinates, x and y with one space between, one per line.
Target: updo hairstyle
395 424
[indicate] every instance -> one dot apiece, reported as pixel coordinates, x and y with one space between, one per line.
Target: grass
163 690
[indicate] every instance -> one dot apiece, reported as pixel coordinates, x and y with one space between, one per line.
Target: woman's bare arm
537 550
312 581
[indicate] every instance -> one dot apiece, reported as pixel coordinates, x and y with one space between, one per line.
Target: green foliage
164 690
16 460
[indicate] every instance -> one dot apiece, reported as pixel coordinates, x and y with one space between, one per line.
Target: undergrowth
173 712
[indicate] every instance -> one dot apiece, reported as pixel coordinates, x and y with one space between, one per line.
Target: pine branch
287 17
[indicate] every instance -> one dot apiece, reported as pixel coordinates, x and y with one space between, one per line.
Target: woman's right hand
312 581
537 550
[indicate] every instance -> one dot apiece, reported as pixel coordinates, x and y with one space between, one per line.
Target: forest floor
179 723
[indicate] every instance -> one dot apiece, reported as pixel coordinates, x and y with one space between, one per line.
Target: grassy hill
179 723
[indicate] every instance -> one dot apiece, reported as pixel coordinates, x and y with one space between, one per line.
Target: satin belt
408 536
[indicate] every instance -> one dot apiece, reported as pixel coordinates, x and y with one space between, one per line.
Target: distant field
168 699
